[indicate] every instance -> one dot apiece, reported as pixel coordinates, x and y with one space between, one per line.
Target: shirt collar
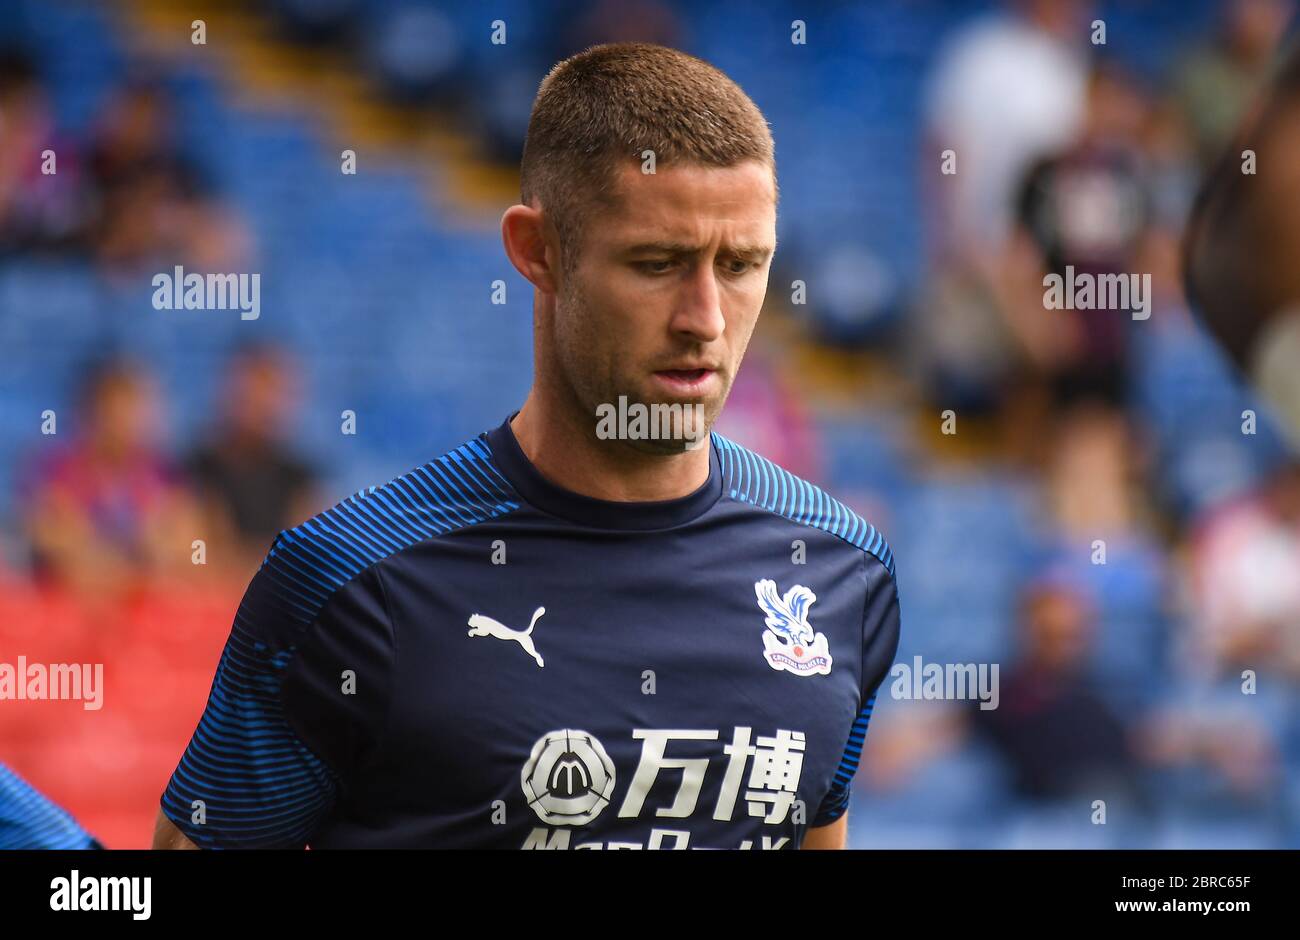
551 498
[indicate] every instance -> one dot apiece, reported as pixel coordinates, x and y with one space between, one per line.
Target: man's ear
530 246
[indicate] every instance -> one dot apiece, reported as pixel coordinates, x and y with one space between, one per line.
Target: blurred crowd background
1120 681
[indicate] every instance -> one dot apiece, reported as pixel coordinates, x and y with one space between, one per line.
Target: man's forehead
670 202
749 182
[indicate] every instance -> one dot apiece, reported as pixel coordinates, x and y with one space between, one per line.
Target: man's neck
568 455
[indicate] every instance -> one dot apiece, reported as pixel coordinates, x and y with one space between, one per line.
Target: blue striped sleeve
880 645
29 820
283 728
302 691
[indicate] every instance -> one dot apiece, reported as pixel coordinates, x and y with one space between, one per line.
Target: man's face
665 293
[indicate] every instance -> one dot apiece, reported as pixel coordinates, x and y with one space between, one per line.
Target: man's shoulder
309 563
751 478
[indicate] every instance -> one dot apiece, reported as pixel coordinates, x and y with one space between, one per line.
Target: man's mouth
686 380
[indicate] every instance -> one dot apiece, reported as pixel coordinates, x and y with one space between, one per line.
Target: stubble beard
590 383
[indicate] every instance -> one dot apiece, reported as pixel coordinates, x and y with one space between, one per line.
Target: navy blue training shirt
29 820
471 656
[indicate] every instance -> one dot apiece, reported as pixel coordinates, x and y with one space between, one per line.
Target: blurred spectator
106 512
1216 83
1246 581
152 205
1092 474
1007 90
1060 739
249 483
985 339
39 211
1085 209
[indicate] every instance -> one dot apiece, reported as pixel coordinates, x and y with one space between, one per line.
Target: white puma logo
486 626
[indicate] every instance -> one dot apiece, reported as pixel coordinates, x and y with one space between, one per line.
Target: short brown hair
608 104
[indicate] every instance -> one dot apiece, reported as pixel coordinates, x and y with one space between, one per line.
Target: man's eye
738 266
655 267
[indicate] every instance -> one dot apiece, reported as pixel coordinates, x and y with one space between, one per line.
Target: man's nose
699 307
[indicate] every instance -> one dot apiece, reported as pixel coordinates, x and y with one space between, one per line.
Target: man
104 512
565 633
249 482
